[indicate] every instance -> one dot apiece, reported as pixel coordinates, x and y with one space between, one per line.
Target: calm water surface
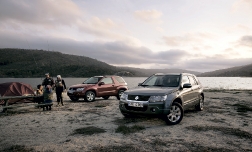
207 82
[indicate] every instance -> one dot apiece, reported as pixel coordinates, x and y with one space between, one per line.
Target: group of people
46 90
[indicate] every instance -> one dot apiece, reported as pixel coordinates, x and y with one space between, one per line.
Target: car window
120 79
162 80
150 81
92 80
107 80
170 80
192 80
185 79
197 80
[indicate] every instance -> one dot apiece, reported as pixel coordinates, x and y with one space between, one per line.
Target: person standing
48 81
60 87
39 92
48 97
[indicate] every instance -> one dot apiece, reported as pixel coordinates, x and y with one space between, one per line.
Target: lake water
244 83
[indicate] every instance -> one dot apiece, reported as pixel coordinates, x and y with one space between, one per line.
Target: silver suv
167 95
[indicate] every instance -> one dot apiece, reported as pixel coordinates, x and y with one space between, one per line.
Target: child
39 91
48 97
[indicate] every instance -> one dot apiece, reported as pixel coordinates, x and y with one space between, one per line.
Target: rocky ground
224 125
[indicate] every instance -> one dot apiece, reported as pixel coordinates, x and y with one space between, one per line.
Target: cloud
245 41
122 54
61 19
187 39
241 5
42 13
150 16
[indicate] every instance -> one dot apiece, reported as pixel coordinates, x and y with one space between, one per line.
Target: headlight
157 98
124 96
79 89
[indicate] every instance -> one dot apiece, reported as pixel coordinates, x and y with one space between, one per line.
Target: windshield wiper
159 85
144 85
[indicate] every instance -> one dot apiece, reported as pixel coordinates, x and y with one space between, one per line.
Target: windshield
92 80
162 80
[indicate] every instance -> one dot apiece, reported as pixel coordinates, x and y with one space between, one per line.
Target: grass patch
225 130
218 120
242 108
158 142
127 130
18 148
89 130
123 148
102 104
121 121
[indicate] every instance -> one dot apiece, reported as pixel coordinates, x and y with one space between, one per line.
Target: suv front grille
140 97
135 108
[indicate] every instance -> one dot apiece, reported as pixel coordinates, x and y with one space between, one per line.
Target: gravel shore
223 125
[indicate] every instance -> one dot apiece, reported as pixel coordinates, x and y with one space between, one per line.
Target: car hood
151 90
81 85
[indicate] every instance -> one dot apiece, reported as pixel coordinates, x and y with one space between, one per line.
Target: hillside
239 71
35 63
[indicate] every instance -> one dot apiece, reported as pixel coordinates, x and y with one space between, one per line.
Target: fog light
153 109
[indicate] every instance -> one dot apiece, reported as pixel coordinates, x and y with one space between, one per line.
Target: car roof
173 74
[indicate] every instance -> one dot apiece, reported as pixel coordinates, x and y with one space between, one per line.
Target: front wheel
74 98
120 92
176 114
90 96
200 104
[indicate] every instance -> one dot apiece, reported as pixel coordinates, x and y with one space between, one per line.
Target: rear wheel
120 92
89 96
74 98
105 97
176 114
200 104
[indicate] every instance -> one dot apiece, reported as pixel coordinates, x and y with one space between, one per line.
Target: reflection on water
207 82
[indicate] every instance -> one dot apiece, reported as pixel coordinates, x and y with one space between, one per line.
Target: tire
200 105
105 97
74 98
120 92
89 96
176 114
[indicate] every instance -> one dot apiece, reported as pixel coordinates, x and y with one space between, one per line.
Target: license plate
135 104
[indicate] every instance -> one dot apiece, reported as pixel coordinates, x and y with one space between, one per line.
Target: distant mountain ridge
35 63
238 71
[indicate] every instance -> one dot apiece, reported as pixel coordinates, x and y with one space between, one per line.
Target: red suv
98 86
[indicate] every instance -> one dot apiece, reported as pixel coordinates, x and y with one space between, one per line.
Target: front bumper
147 109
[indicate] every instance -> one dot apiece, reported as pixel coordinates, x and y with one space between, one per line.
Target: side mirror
139 84
101 83
187 85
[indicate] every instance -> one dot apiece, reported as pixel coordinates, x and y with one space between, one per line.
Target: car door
107 89
186 93
195 89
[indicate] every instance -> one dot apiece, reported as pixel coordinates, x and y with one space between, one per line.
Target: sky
197 35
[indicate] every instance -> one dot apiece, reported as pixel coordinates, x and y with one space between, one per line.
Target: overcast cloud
164 34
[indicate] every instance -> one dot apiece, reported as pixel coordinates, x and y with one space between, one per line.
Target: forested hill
25 63
239 71
35 63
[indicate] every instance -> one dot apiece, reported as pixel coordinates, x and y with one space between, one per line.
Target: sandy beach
223 125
